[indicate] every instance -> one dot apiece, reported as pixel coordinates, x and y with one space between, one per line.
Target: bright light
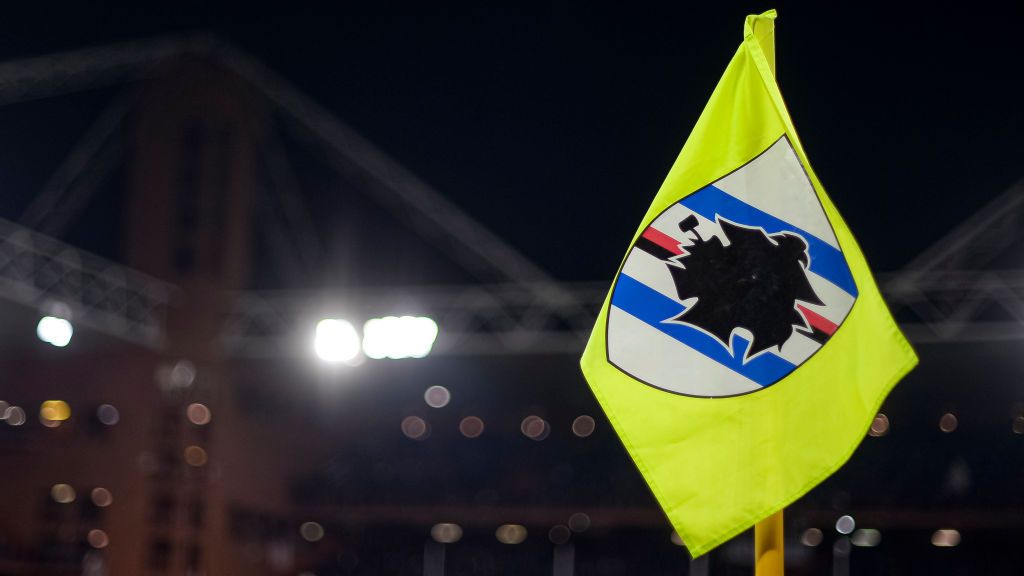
399 337
198 414
845 524
946 538
55 410
510 533
866 538
56 331
437 396
62 493
336 341
948 422
446 533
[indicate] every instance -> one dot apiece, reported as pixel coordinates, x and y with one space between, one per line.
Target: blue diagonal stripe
826 261
654 308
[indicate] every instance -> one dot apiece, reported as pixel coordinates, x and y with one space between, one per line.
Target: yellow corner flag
744 348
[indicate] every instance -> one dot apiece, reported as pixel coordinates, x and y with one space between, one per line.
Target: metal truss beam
473 320
508 319
68 189
38 271
35 270
425 209
408 197
953 292
90 68
959 306
977 241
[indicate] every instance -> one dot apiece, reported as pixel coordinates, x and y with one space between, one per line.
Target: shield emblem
733 287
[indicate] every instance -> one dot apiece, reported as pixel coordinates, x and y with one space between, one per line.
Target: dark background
556 122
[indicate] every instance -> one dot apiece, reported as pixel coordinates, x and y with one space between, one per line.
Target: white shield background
772 192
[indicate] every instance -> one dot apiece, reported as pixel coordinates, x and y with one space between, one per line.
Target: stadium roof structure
508 304
967 287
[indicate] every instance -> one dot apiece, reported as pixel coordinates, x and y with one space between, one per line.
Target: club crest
733 287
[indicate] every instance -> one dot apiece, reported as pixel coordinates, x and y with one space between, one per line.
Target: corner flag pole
768 538
768 551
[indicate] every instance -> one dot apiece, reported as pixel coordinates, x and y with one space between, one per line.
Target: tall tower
191 173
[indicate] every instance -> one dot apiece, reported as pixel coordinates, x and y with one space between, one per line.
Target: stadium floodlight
399 337
336 341
55 331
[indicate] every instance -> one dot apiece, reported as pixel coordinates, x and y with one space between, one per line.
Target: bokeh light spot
198 414
866 538
535 428
446 533
948 422
845 524
62 493
102 497
583 426
98 538
195 456
15 415
811 537
415 427
311 531
437 396
559 534
55 410
55 331
879 426
107 414
183 374
471 427
579 522
49 423
510 533
946 538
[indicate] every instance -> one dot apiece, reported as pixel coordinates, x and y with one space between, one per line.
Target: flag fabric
744 348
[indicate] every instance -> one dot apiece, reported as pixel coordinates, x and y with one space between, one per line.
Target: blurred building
188 428
185 427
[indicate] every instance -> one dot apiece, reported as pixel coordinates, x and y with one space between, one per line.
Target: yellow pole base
768 546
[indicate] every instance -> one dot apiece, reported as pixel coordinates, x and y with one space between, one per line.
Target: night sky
554 123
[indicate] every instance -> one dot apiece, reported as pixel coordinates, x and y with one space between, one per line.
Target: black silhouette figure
752 283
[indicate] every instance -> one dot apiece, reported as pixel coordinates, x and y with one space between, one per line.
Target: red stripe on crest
817 320
664 240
